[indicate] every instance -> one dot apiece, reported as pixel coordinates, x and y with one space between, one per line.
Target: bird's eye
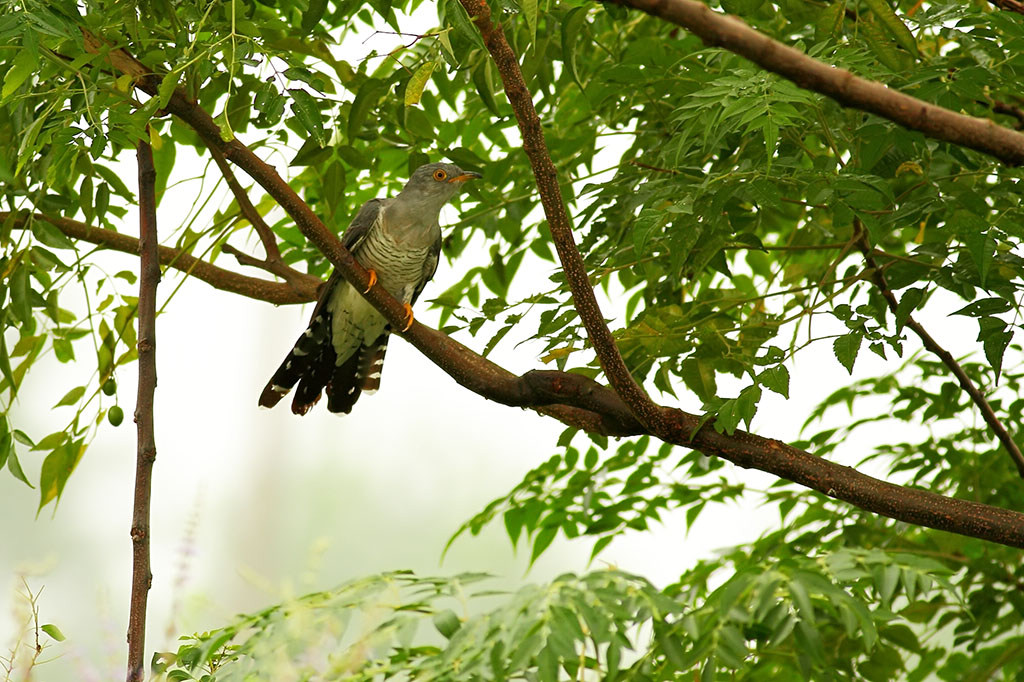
440 175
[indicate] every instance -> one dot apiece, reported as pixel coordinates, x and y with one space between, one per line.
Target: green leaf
166 90
367 97
530 12
447 623
14 466
307 111
414 90
542 542
845 348
893 25
908 303
72 396
699 377
313 14
571 27
775 379
53 631
25 64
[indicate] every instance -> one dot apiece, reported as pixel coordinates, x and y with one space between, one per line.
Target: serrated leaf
776 379
530 12
305 108
908 303
419 80
699 377
845 348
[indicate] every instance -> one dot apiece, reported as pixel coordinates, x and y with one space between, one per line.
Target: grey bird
399 241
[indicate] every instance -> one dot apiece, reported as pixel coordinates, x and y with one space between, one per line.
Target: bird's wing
429 268
361 224
352 239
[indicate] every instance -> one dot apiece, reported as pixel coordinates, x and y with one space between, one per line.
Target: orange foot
373 280
408 317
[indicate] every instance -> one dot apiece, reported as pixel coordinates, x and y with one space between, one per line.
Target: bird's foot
408 317
373 280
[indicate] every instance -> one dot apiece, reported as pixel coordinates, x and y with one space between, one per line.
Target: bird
398 240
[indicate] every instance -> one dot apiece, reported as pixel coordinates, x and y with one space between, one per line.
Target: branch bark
300 290
581 402
640 404
987 413
723 30
149 277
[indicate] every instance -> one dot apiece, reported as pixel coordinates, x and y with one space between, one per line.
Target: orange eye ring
440 175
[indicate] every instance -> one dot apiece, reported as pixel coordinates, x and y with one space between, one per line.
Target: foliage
730 221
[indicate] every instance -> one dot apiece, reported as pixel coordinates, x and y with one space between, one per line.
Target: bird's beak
468 175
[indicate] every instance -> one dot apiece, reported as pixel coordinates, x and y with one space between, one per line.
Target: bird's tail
359 374
310 360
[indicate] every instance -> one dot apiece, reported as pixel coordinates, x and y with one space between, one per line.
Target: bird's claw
408 317
373 280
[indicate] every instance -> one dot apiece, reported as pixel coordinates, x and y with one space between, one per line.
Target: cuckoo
398 240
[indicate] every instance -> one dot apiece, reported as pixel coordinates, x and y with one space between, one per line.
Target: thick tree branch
149 277
640 404
723 30
300 290
987 413
577 399
1010 5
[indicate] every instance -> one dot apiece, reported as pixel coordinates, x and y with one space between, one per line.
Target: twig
987 413
248 210
149 277
546 176
581 402
303 288
723 30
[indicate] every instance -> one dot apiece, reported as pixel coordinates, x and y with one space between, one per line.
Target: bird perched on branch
342 350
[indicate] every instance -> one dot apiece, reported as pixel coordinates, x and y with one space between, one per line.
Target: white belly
355 321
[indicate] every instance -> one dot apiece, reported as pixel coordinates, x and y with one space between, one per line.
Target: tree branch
575 400
149 277
640 404
723 30
301 290
987 413
267 237
1009 5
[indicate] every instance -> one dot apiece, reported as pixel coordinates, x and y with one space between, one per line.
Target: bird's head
433 184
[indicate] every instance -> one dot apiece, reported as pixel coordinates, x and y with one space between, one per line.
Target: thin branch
582 403
301 290
248 210
987 413
733 34
149 277
641 405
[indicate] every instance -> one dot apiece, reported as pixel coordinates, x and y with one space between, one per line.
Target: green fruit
115 416
109 387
